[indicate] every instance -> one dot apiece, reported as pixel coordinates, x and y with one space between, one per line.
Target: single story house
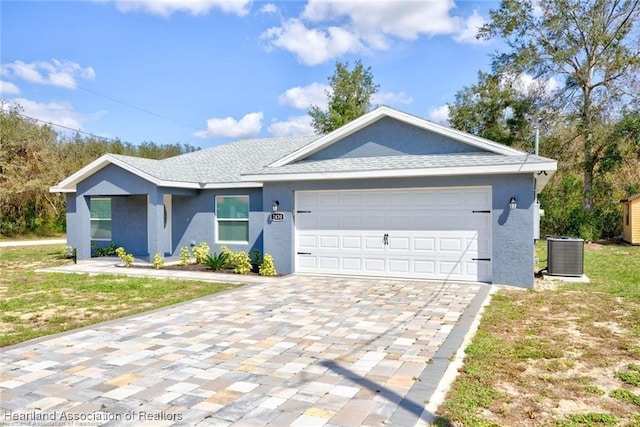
389 194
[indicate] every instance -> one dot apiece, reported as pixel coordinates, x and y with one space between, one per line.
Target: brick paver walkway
301 351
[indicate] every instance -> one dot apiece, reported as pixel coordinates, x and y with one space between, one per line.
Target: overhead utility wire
66 127
111 98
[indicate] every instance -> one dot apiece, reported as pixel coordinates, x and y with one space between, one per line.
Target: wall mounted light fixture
274 207
513 203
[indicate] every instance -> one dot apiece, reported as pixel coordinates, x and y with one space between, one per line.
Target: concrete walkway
297 350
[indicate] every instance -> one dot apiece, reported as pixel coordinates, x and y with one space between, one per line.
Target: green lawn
37 304
567 356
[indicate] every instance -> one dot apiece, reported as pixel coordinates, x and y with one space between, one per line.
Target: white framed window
100 208
232 219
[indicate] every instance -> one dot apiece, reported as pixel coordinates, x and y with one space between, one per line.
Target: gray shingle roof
401 163
220 164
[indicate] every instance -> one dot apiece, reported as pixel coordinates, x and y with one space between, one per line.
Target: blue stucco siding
129 223
194 219
512 231
114 181
390 137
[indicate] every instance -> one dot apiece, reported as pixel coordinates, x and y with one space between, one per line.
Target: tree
495 108
349 97
590 44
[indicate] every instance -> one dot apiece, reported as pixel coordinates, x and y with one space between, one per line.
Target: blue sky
207 72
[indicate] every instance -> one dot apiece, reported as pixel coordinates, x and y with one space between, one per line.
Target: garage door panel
374 265
432 233
329 263
401 265
307 242
424 244
329 242
352 242
399 243
352 264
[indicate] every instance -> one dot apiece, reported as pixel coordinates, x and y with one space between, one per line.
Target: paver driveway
301 351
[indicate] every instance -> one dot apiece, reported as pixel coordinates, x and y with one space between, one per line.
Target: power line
109 97
66 127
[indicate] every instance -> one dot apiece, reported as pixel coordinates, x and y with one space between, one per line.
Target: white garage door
429 233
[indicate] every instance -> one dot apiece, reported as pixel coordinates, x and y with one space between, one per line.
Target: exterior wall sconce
513 203
274 207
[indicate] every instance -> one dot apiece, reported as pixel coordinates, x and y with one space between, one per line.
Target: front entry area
426 233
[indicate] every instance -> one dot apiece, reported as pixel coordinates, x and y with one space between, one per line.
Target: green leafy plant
158 262
127 259
200 252
267 267
99 251
239 261
215 261
185 256
255 257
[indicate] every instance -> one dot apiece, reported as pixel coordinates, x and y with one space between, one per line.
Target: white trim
384 111
167 200
217 220
550 167
225 185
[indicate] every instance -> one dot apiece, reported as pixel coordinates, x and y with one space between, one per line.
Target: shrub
267 268
127 259
215 261
158 262
98 251
185 256
239 261
200 252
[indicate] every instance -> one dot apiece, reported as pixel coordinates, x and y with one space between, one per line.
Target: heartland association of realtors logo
64 418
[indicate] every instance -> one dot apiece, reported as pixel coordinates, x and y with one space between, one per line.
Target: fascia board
224 185
405 173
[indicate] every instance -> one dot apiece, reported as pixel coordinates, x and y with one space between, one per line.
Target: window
626 214
100 208
232 218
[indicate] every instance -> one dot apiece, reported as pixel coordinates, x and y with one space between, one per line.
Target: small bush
239 261
201 251
185 256
215 261
158 262
127 259
98 251
267 268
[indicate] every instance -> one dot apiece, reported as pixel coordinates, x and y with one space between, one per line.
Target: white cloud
61 73
312 46
269 8
302 97
403 19
299 125
327 29
247 127
58 112
390 98
166 8
525 83
470 29
439 114
8 88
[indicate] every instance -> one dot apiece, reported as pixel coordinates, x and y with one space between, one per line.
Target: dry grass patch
557 357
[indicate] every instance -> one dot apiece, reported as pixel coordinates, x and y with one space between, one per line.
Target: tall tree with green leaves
592 46
349 97
494 108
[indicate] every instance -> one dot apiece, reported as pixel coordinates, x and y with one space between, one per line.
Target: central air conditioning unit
565 256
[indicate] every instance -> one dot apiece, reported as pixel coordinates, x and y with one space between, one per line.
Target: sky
211 71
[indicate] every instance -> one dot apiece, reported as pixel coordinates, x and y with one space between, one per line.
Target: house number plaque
277 216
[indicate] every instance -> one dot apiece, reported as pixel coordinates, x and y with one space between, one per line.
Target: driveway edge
436 379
